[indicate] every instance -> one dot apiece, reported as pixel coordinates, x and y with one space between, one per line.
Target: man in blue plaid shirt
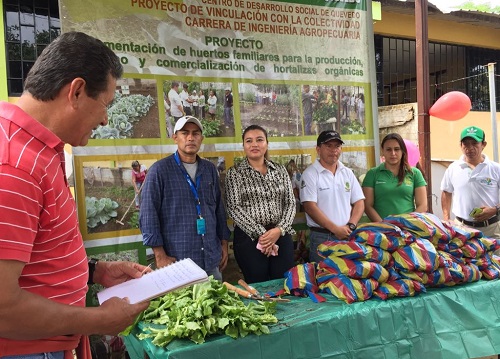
182 214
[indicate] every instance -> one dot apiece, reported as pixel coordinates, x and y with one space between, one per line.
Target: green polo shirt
389 198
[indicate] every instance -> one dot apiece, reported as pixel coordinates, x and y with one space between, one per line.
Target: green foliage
122 113
119 191
352 127
106 132
133 222
167 85
210 128
99 211
294 94
474 6
248 97
283 100
202 310
324 113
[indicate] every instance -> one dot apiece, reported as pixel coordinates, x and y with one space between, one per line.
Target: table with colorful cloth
456 322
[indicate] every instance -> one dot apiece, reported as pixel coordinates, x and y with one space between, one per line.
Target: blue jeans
227 116
51 355
315 239
216 273
138 197
308 118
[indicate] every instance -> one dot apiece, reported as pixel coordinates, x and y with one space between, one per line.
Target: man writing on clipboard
182 213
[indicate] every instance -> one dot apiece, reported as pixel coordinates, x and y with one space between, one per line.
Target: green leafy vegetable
201 310
123 112
99 211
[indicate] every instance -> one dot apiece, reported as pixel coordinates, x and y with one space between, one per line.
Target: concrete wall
102 176
437 172
400 119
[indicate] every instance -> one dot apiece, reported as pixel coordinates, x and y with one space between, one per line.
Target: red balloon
451 106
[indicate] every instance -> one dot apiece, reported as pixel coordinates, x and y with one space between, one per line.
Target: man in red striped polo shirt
44 269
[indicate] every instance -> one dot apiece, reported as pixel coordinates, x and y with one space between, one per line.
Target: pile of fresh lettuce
201 310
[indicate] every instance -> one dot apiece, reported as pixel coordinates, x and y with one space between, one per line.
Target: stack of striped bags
401 256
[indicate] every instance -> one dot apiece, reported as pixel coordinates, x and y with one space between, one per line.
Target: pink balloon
413 153
451 106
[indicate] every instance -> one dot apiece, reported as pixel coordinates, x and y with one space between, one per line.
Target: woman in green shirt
394 187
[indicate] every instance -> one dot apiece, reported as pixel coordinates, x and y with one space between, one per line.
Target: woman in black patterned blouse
261 203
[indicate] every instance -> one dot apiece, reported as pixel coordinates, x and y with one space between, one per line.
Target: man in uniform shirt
331 194
473 183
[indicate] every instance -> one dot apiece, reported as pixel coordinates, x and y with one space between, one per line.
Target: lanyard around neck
194 189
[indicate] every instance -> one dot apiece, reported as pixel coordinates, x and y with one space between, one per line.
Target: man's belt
480 224
320 230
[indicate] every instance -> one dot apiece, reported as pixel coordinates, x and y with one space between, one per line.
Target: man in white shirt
176 109
186 101
473 183
194 98
331 195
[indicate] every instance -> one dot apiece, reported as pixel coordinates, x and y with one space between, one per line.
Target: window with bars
30 25
478 81
451 68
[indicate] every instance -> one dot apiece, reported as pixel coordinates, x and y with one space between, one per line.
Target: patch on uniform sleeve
302 184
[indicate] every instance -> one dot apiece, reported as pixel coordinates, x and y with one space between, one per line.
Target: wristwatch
351 226
282 230
92 264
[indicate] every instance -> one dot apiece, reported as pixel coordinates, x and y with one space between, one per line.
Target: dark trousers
256 266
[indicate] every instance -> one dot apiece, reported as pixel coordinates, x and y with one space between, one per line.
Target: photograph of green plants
133 112
274 107
111 201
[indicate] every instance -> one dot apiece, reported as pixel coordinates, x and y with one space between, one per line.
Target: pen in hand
145 269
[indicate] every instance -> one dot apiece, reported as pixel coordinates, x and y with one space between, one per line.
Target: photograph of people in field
333 107
210 102
274 107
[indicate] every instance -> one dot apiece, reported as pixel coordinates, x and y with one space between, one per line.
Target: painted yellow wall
399 25
445 135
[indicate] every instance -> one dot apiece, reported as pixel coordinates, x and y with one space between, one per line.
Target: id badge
200 226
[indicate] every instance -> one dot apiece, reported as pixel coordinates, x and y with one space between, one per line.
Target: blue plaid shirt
168 212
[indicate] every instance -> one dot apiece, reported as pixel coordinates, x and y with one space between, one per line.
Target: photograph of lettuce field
110 196
106 205
133 113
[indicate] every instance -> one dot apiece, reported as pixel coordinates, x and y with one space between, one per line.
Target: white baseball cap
181 122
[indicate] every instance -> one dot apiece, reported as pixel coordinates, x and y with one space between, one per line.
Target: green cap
473 132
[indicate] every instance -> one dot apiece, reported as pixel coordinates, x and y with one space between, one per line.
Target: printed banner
294 67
